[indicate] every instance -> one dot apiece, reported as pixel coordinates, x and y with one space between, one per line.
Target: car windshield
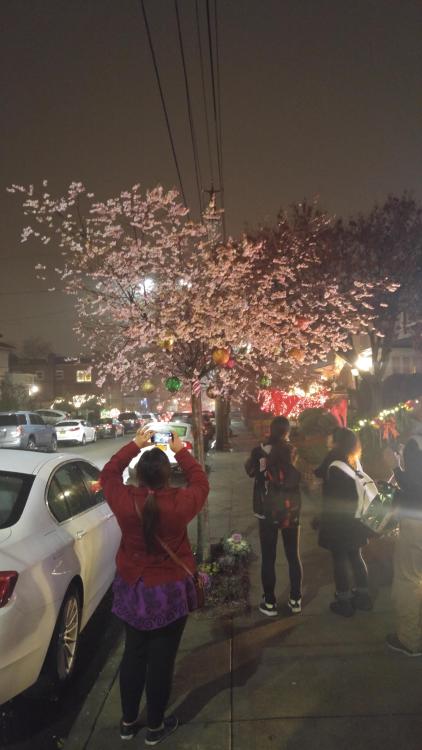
14 491
8 420
127 415
182 416
67 424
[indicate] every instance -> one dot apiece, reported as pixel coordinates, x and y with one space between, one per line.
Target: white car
75 431
51 416
58 541
184 431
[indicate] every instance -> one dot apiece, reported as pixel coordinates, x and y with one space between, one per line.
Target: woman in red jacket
152 593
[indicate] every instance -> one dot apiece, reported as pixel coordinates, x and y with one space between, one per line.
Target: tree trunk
202 525
222 417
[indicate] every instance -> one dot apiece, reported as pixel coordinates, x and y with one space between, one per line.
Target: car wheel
31 444
53 446
61 655
83 441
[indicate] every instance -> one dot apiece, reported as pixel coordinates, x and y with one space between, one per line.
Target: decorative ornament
220 356
279 402
147 386
173 384
265 381
213 392
167 343
303 323
230 363
297 354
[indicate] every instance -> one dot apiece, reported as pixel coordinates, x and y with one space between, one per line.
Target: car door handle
108 516
80 534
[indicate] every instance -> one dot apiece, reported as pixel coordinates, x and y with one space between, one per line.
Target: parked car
148 417
27 430
109 427
58 541
182 416
131 420
184 431
52 416
75 431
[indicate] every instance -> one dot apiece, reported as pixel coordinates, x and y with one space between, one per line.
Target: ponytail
150 517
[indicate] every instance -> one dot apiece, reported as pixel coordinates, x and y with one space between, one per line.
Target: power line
163 103
204 94
190 113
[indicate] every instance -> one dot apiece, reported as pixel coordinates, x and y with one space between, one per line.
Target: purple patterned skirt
151 607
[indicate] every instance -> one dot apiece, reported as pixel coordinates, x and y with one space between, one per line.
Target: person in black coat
274 457
339 530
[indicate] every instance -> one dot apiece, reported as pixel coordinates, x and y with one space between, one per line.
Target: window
8 420
59 374
92 480
14 491
35 419
69 491
83 376
39 375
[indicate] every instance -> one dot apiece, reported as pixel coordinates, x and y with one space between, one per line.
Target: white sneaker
295 606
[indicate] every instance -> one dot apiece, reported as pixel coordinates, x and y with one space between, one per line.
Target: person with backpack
407 578
154 588
276 503
340 530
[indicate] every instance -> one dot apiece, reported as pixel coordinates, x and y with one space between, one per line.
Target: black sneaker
362 600
128 731
154 736
268 609
343 607
295 606
395 644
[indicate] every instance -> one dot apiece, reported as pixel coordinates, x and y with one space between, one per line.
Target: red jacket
177 507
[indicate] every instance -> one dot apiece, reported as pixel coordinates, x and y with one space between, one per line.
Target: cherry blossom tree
155 295
384 246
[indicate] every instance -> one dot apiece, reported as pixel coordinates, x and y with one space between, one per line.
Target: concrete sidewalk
313 680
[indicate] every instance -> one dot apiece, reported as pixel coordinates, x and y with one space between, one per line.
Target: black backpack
281 495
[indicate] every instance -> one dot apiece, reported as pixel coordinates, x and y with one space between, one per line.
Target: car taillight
8 580
187 444
73 429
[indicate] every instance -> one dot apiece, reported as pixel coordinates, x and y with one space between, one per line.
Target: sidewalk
312 681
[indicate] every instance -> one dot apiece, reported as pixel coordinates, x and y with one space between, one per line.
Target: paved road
41 719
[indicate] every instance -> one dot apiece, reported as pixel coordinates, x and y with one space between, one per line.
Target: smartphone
163 438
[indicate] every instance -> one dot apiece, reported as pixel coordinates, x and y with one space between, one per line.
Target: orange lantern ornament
297 354
220 356
303 323
147 386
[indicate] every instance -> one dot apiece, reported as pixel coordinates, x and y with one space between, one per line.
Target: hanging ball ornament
173 384
167 343
265 381
212 392
303 323
297 354
147 386
220 356
230 363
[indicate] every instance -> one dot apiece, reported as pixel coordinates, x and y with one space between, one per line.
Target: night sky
319 98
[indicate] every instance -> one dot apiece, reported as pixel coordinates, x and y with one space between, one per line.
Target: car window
14 491
21 419
91 476
70 480
56 501
67 423
35 419
8 420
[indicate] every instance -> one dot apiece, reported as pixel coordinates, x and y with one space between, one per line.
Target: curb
83 728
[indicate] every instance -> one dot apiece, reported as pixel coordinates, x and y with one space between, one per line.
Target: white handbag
366 488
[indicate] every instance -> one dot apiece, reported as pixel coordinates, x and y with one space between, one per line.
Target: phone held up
162 438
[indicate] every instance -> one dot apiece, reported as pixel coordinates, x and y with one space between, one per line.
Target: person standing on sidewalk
339 530
407 581
152 593
274 458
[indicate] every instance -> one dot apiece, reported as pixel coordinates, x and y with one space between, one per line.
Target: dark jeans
148 659
268 535
345 562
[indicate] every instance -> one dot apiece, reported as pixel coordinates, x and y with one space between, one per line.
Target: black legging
268 535
346 561
149 658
